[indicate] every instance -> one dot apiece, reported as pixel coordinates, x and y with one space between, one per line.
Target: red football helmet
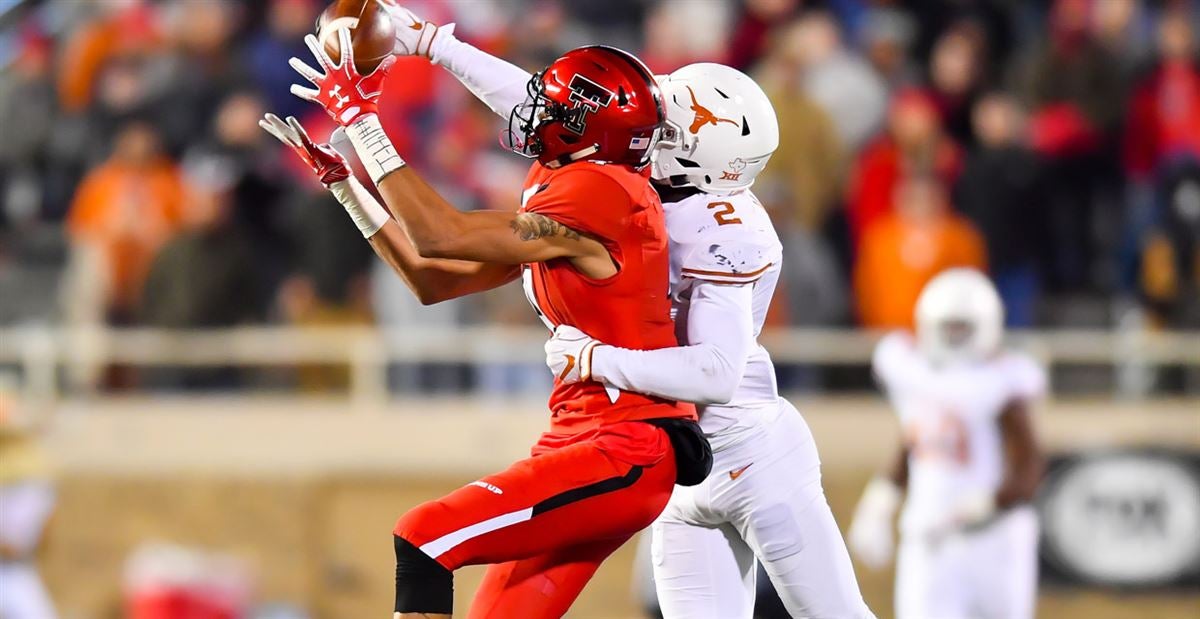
596 103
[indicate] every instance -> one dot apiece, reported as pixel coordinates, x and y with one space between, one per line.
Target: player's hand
974 510
870 537
328 164
569 354
416 36
345 95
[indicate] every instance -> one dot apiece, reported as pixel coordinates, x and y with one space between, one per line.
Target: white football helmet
720 129
959 317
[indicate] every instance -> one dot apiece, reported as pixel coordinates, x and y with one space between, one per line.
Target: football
371 32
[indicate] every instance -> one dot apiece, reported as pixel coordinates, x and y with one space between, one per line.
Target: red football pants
547 522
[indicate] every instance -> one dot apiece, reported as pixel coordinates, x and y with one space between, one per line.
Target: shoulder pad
730 261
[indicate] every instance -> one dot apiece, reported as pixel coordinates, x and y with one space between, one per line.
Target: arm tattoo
531 226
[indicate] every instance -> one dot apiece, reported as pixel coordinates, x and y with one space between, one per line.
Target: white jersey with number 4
949 417
727 239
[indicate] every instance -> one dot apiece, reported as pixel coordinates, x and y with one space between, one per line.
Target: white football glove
870 536
416 36
569 354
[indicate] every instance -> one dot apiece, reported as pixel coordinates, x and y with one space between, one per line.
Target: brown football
371 32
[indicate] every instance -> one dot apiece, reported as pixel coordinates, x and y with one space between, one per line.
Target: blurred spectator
1163 125
332 261
886 39
801 183
612 22
1071 85
123 212
914 141
205 276
246 151
330 284
680 32
800 187
1118 28
904 249
269 49
999 192
1162 163
118 28
956 70
837 78
1074 88
28 107
199 71
749 39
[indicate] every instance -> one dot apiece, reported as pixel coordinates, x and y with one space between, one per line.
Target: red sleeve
584 200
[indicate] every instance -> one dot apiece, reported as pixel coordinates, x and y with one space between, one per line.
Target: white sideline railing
41 351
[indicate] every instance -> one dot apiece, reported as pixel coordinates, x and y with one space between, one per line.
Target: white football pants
985 574
763 499
24 509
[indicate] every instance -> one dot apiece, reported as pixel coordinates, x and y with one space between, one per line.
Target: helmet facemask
525 117
677 144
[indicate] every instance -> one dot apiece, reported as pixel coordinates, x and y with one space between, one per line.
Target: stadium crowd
1054 143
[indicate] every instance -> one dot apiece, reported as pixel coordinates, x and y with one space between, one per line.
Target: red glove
345 95
328 164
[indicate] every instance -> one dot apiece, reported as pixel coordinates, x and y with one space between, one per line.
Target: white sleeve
720 329
498 83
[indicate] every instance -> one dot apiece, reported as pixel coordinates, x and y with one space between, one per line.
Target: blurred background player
969 461
590 242
726 259
27 501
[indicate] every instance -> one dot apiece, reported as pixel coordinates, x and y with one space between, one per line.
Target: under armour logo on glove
340 90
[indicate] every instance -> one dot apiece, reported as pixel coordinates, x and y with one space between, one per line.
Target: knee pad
422 584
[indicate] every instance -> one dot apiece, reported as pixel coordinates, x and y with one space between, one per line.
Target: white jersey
949 417
727 239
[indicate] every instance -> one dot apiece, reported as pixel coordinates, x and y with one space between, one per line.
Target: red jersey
631 309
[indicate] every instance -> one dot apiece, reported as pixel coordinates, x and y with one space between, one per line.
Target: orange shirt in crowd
898 256
877 172
128 212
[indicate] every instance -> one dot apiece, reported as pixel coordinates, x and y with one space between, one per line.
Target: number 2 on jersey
724 216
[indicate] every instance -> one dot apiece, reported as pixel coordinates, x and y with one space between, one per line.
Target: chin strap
573 157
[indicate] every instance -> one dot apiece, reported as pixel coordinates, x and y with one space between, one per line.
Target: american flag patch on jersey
639 143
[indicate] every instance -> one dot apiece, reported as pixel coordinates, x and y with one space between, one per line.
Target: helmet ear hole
707 179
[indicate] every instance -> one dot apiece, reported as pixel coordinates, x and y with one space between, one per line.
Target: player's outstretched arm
434 227
720 331
430 280
438 230
500 84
